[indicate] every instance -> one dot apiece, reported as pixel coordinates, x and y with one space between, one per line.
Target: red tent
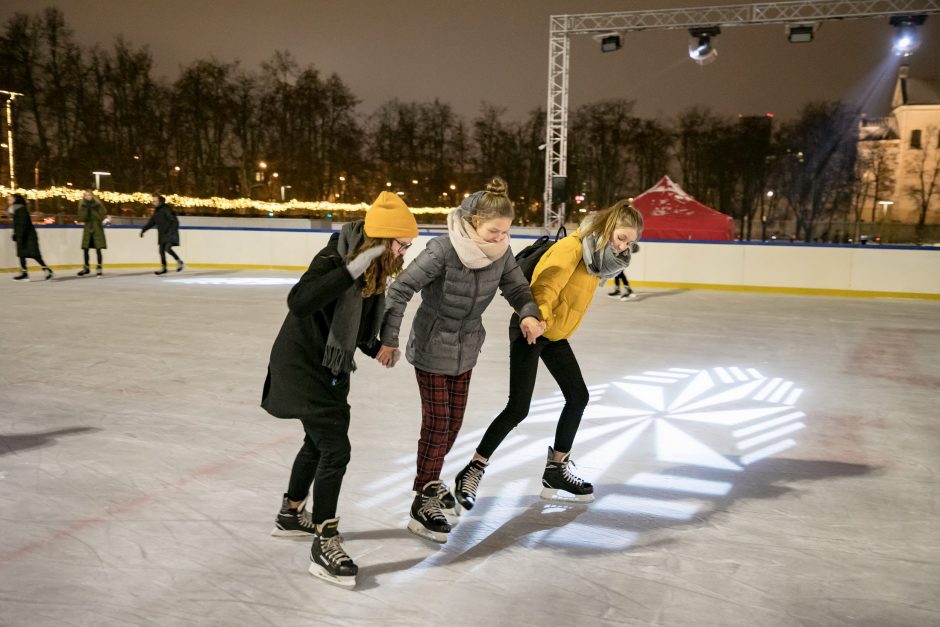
669 212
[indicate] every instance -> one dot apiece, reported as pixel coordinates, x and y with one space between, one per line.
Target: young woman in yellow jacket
563 285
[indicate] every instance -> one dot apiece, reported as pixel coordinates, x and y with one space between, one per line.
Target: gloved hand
141 233
357 266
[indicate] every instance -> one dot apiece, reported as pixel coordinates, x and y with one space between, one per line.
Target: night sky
466 52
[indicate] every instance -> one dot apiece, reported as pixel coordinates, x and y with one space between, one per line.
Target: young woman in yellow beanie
458 275
336 307
563 284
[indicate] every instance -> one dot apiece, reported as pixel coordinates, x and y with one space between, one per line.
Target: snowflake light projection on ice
756 412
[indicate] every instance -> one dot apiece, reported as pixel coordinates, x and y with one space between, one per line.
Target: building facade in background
899 157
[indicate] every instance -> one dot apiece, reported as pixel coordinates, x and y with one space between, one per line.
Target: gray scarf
603 263
344 330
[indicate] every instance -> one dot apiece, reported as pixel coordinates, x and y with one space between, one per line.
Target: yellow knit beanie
389 217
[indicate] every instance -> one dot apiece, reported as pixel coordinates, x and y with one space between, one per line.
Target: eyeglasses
403 246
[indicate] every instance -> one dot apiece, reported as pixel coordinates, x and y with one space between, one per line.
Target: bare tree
925 168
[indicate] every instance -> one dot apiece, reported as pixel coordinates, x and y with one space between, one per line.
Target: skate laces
333 550
442 492
470 481
433 508
567 474
304 519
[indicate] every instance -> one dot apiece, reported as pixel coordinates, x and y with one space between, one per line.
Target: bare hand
531 328
386 356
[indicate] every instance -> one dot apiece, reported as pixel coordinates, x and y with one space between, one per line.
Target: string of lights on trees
222 204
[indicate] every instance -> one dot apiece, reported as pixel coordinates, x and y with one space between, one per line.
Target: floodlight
701 49
906 40
610 42
800 33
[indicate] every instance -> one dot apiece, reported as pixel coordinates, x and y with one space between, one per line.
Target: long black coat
24 234
168 226
298 385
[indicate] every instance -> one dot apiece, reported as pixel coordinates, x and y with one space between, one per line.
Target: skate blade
319 572
419 530
551 494
277 532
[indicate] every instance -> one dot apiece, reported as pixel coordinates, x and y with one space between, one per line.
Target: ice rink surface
757 460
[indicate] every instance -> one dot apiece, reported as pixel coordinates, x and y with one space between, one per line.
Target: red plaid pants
443 401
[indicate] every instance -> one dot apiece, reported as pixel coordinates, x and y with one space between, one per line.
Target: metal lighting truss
564 26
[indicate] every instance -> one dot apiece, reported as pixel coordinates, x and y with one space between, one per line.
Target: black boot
427 518
467 483
558 478
328 560
85 270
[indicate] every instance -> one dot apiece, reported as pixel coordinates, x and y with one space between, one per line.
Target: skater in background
458 275
168 231
627 293
25 236
337 306
563 283
92 214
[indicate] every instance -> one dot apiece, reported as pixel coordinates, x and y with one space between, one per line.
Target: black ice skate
448 504
85 270
467 482
328 560
427 519
558 484
292 522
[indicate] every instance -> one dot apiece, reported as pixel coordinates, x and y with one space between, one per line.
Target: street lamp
98 174
764 211
885 204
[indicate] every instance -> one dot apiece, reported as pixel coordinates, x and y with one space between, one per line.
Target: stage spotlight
610 42
906 40
800 33
701 49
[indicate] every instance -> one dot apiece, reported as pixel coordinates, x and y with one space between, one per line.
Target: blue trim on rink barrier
934 248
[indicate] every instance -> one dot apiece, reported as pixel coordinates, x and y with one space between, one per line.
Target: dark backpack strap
562 232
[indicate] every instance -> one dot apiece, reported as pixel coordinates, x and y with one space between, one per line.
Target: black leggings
523 367
621 279
37 258
97 250
164 249
324 457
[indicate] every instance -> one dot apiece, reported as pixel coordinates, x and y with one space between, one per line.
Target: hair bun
497 186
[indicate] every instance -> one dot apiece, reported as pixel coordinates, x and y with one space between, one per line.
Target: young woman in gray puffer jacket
458 275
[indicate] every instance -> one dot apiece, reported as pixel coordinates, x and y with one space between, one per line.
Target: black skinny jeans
523 367
37 259
97 250
621 279
164 249
324 457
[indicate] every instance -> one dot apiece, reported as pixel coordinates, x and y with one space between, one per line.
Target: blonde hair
495 203
380 271
621 215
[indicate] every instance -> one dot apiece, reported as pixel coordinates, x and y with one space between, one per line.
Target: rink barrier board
771 267
795 291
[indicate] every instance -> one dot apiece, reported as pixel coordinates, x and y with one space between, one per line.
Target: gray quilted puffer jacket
447 333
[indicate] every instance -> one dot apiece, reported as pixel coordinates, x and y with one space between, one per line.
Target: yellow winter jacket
563 288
